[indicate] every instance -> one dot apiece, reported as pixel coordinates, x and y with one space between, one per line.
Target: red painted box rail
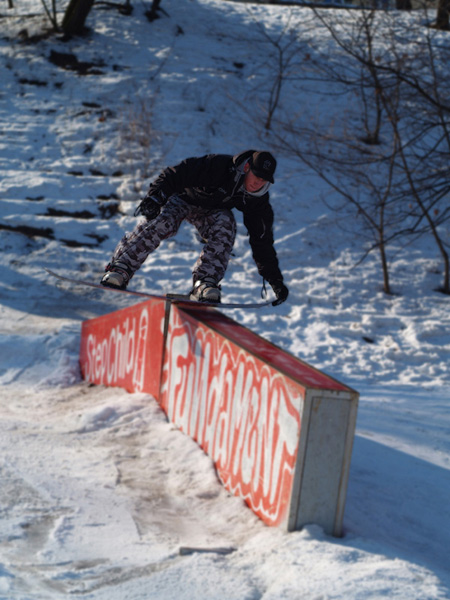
279 431
251 407
125 348
241 410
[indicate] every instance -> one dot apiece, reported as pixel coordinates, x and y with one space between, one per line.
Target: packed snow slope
98 492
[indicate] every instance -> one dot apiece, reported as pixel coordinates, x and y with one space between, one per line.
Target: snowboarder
203 191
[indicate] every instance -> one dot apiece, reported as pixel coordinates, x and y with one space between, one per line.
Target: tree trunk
152 14
403 5
75 16
442 16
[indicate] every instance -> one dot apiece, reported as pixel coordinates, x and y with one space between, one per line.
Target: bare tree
394 173
51 13
353 172
284 56
280 62
422 133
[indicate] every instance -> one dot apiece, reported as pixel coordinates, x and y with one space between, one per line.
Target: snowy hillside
98 492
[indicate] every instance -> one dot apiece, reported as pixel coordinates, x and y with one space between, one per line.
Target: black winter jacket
216 181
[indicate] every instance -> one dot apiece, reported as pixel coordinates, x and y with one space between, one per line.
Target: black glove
150 207
280 291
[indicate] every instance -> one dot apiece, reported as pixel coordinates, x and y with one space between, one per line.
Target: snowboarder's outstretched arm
260 228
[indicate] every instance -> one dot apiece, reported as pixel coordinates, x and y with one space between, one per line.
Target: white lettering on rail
242 412
120 354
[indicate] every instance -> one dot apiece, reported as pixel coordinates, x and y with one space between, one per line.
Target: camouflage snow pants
217 227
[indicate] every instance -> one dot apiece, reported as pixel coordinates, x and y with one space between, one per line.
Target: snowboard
174 298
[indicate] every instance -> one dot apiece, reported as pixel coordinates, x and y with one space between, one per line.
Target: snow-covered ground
98 492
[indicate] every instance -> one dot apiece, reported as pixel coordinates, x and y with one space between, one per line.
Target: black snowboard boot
117 276
205 290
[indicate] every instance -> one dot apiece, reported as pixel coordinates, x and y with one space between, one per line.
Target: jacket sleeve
259 225
192 172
